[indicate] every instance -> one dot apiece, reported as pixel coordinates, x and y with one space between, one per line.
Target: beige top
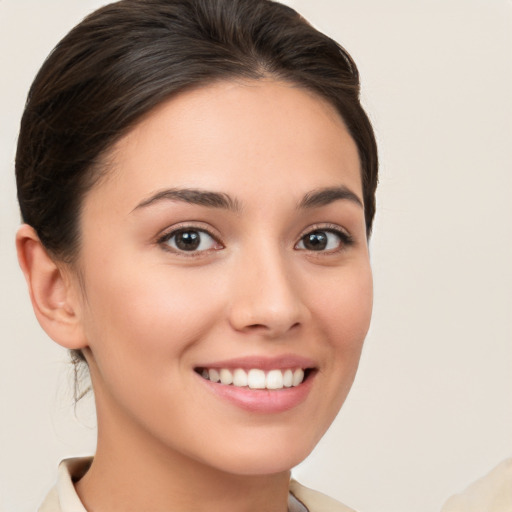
63 497
491 493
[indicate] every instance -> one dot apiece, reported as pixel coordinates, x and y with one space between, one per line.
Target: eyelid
345 236
326 226
169 232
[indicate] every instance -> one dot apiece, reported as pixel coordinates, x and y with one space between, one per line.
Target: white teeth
226 377
275 379
298 376
288 379
240 378
255 378
214 375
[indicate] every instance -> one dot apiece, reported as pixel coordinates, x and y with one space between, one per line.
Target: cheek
341 307
152 313
142 328
344 311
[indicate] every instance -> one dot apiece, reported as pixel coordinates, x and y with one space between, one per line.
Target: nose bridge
265 296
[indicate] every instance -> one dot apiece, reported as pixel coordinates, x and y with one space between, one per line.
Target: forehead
233 136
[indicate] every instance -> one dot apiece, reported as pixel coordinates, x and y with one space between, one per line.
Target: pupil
188 240
316 241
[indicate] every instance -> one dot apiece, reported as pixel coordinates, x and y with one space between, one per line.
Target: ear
53 291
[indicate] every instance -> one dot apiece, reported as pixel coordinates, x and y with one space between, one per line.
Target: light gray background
431 408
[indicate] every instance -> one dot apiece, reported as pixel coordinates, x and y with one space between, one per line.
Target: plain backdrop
431 408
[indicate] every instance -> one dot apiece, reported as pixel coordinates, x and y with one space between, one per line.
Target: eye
327 240
190 240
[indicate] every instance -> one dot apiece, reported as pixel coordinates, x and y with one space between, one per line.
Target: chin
260 466
264 458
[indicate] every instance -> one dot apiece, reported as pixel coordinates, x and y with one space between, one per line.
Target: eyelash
166 237
346 240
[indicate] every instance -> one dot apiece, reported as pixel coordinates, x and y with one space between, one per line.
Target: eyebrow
327 195
314 199
193 196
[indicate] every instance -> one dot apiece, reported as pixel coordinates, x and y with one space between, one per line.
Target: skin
146 314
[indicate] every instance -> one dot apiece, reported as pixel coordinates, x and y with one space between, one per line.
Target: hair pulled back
128 57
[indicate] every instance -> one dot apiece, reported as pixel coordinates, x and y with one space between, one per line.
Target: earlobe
54 296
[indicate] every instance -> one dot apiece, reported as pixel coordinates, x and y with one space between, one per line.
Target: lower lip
262 400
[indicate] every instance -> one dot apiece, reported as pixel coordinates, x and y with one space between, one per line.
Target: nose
265 295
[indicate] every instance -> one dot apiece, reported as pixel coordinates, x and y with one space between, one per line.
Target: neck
132 471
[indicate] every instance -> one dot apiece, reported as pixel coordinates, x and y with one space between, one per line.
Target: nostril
258 315
272 329
256 326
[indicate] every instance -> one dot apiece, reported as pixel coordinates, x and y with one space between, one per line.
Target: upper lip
262 362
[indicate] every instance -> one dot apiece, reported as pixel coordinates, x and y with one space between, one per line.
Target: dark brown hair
128 57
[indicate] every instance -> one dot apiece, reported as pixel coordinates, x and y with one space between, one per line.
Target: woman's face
227 239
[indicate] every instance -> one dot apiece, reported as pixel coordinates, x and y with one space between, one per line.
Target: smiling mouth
256 378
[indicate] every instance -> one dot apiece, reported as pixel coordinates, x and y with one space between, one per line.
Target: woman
197 181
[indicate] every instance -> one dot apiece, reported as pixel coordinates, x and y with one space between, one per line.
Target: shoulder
63 497
51 502
492 493
316 501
